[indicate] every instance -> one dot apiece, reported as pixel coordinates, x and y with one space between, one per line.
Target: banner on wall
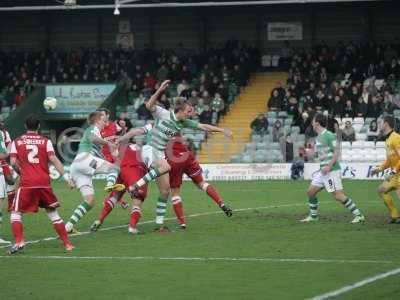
360 171
240 172
78 99
285 31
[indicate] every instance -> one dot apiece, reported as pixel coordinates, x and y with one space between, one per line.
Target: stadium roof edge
131 4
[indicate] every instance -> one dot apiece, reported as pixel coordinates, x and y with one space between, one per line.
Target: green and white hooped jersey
325 147
86 146
165 127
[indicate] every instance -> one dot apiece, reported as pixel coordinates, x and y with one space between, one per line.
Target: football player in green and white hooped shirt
329 175
168 124
89 162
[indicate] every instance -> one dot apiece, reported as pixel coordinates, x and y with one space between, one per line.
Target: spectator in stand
260 125
194 98
348 132
274 102
348 111
372 133
182 86
199 108
206 116
20 97
304 122
217 106
149 81
162 73
354 95
293 107
277 131
374 109
361 108
337 107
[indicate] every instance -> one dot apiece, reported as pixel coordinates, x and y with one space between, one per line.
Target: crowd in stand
345 81
207 78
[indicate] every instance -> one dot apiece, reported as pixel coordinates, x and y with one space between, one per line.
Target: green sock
161 210
149 176
79 212
313 205
351 206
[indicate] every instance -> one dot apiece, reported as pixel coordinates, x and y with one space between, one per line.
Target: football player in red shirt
110 133
183 161
132 169
31 154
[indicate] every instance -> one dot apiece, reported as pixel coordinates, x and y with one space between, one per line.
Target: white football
50 103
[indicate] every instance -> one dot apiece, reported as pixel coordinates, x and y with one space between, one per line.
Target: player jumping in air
89 162
168 124
392 162
31 154
132 169
329 175
183 161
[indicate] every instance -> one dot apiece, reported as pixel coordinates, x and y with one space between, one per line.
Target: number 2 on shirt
33 152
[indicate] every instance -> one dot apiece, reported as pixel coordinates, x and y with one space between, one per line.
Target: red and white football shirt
32 152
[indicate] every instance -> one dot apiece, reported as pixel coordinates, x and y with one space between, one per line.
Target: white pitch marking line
203 259
152 221
356 285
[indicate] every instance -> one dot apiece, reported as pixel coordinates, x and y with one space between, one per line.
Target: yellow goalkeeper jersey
392 145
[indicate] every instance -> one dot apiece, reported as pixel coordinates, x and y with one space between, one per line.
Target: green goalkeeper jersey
165 127
86 146
325 147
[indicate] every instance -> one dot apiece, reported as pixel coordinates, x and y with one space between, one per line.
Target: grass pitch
262 252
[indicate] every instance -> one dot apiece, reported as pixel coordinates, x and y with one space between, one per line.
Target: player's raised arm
135 132
150 105
215 129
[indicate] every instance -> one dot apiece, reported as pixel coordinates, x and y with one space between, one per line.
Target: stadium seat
267 138
357 144
358 121
295 130
236 159
380 145
346 145
262 146
287 122
369 145
282 114
364 129
357 127
251 146
368 121
256 138
361 136
247 159
272 114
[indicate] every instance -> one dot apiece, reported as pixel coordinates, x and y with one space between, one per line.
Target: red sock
108 206
210 190
10 196
59 227
135 216
18 232
178 209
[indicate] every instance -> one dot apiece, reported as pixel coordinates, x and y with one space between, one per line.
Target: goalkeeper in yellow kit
392 162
